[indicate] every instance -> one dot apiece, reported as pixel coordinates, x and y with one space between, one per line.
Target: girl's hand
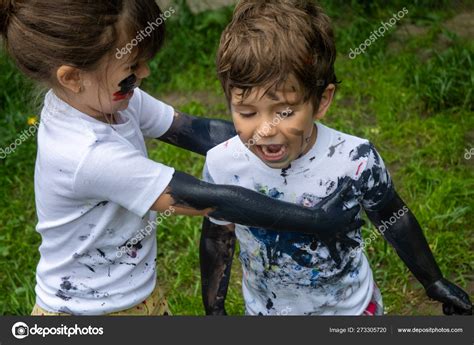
336 219
455 300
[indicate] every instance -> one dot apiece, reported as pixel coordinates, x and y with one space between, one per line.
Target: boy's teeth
272 150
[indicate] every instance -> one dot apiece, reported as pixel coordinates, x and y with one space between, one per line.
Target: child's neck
311 141
102 117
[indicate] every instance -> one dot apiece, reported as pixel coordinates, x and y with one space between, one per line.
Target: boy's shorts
375 306
154 305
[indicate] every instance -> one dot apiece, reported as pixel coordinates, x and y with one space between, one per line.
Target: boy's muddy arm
197 134
407 237
216 252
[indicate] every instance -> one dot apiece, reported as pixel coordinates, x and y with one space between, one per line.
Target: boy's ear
325 103
69 78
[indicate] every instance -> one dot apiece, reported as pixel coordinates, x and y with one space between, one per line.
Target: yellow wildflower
32 120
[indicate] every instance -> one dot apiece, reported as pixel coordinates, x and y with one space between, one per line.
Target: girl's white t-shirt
94 187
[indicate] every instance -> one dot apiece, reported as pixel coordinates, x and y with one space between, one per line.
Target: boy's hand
218 312
334 216
407 238
455 300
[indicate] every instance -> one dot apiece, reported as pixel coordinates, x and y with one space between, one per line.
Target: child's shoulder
66 135
342 145
229 149
335 135
228 157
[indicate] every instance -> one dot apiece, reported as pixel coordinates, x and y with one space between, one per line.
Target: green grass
415 107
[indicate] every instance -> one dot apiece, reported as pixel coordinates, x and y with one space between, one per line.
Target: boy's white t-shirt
292 273
94 187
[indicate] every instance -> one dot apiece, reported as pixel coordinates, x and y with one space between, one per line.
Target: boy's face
277 126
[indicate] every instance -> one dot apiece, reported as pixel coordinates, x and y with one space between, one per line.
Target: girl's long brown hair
42 35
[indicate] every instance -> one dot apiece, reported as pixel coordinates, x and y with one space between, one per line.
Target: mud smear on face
298 133
126 88
307 140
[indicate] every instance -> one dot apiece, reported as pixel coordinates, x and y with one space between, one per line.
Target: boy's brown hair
42 35
268 41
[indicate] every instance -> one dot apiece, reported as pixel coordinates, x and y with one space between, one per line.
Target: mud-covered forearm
243 206
216 252
401 229
197 134
407 238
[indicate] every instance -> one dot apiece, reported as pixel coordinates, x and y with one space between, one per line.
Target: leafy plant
446 80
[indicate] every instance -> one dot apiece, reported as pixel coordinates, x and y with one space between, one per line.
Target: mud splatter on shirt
294 272
89 183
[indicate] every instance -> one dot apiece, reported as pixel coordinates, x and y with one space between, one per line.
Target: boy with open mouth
276 64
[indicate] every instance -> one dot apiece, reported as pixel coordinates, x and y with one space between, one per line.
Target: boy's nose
267 129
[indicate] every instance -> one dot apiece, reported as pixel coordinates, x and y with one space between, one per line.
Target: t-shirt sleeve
376 184
155 117
207 177
114 171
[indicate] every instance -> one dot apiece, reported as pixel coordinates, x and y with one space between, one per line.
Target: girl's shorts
155 304
375 306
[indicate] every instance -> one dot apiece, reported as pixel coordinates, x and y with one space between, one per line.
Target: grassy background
411 94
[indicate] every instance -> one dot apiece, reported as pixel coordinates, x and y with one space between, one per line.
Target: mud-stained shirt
94 187
292 273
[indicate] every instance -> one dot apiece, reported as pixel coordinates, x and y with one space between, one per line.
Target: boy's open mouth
272 153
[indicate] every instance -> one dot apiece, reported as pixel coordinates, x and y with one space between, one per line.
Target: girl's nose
143 71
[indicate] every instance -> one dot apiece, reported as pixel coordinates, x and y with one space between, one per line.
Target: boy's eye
134 66
247 114
285 113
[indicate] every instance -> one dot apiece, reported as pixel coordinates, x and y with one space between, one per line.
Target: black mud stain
83 237
89 267
332 149
269 304
284 173
62 295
